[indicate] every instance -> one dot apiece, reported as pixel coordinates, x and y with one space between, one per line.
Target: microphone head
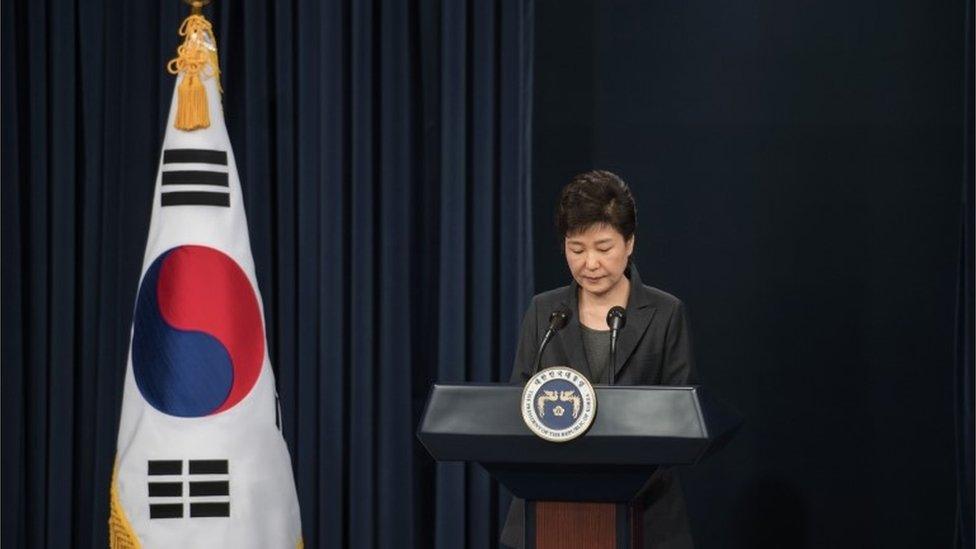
617 318
559 318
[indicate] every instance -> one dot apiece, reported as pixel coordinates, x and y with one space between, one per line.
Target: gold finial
196 6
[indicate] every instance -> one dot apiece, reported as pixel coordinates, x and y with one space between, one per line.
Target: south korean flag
201 461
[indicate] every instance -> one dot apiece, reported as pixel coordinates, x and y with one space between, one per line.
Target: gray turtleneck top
596 343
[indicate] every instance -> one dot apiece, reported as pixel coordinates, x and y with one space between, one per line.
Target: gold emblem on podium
558 404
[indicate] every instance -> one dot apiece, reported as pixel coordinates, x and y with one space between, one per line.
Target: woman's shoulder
660 297
666 303
553 297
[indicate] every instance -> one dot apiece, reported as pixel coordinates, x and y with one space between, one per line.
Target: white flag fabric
201 461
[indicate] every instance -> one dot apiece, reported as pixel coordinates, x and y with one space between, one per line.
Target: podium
584 492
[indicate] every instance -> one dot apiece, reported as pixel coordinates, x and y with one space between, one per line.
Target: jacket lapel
639 314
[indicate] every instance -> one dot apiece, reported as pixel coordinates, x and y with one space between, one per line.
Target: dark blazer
654 348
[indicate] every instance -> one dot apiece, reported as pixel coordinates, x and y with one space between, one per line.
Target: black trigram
208 481
174 178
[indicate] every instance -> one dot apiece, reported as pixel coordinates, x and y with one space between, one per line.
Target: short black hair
596 197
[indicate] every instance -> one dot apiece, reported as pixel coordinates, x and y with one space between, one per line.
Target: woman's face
597 257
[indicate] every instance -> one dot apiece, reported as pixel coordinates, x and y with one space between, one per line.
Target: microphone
616 319
557 321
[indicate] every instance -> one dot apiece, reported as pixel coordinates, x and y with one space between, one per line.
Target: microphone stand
616 319
557 320
538 356
613 356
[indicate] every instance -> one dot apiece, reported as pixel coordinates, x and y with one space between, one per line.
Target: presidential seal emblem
558 404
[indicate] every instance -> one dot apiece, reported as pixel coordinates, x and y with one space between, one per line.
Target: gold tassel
121 535
196 54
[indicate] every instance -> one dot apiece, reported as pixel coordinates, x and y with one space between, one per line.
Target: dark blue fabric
384 154
797 169
965 359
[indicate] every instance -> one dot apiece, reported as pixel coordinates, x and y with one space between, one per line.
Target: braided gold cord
120 532
194 56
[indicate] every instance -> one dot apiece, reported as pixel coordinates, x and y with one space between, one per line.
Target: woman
597 219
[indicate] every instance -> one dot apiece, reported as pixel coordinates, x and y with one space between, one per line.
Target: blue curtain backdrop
384 152
965 407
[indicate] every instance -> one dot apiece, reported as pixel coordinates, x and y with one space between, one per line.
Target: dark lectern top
634 425
635 429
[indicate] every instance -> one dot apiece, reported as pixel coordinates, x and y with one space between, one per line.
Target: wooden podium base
581 525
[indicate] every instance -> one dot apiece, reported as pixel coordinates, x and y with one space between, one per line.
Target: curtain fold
384 153
965 373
